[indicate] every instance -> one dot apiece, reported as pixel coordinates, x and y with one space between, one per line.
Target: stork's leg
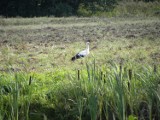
81 62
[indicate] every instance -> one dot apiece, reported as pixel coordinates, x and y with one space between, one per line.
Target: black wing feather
77 56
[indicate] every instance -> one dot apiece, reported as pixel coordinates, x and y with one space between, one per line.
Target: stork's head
87 43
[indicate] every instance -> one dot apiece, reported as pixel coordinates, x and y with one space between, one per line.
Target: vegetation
100 93
139 9
118 80
59 8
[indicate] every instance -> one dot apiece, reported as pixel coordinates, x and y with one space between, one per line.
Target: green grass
39 81
122 8
139 9
100 93
49 46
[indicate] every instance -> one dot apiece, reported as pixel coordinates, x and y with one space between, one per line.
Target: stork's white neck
87 47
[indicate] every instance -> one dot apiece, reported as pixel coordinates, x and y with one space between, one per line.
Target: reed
84 97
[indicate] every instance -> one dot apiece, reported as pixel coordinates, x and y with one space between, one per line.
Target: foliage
63 9
37 80
138 9
100 93
32 8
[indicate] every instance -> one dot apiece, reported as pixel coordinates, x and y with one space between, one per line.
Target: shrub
63 9
139 9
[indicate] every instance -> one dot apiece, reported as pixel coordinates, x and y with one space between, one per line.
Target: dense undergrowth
61 8
123 9
108 92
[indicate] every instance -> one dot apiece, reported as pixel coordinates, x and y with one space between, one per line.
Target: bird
82 53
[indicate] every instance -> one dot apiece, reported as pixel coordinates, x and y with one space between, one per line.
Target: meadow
118 80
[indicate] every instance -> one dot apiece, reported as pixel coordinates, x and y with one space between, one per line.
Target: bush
136 9
84 11
63 9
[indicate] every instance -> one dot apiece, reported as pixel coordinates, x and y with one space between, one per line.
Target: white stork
82 53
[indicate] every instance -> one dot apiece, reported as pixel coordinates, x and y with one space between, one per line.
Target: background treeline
58 8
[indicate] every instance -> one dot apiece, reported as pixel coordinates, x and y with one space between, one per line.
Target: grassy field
42 44
118 80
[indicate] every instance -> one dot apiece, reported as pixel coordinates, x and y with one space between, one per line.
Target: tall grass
14 102
108 92
93 98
